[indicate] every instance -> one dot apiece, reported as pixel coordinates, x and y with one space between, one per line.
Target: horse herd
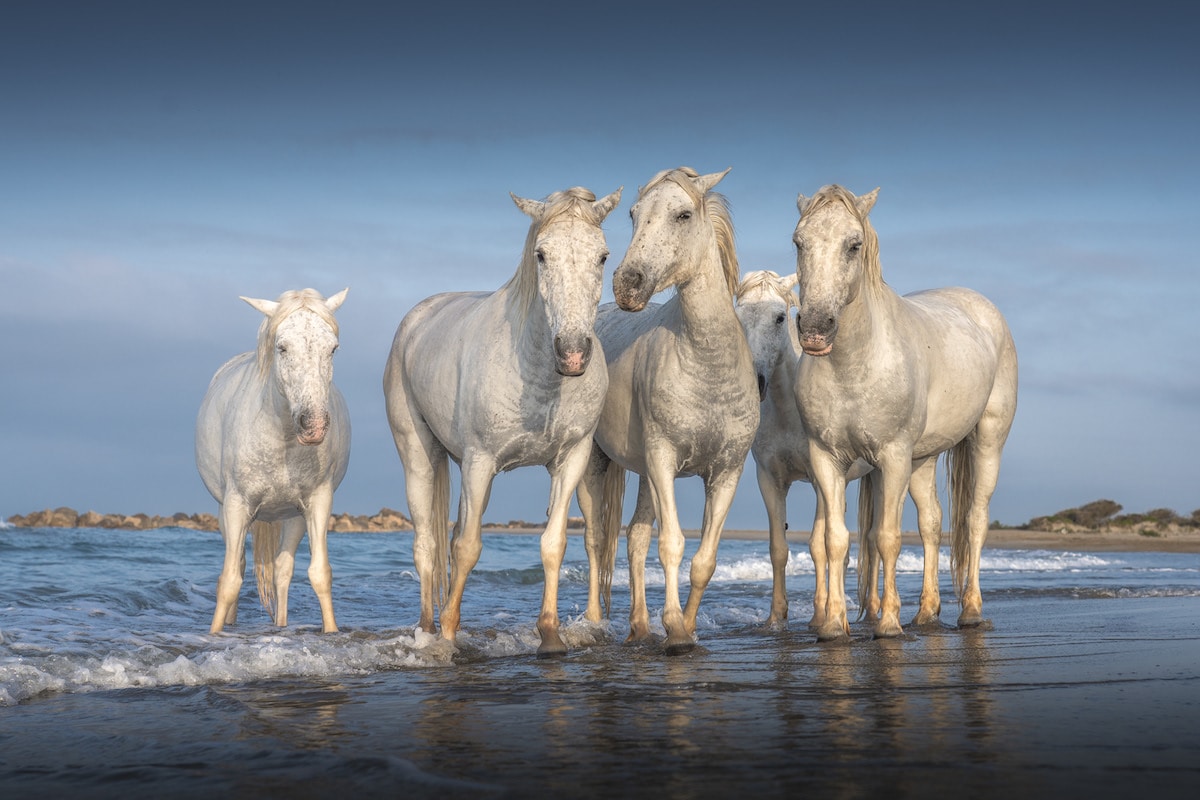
866 385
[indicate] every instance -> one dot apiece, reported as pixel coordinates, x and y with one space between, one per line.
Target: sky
159 160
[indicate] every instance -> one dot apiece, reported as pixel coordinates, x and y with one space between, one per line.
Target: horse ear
864 203
605 205
707 182
267 307
791 280
802 203
533 208
334 303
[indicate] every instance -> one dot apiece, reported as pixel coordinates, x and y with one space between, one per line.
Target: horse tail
266 537
960 466
610 529
440 522
866 551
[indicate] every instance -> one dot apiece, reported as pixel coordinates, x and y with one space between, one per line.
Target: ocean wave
28 672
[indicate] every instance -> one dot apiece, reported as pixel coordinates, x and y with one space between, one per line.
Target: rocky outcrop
385 520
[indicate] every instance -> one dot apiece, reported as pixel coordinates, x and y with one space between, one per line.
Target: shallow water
1087 676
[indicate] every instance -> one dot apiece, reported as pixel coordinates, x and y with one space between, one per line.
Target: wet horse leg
923 488
564 478
719 493
234 521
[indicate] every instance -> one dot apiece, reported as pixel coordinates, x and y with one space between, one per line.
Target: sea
111 685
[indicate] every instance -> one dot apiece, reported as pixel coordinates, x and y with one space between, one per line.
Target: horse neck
866 323
529 324
706 311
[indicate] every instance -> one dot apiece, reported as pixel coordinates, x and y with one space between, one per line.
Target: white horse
500 380
272 445
764 303
681 398
896 381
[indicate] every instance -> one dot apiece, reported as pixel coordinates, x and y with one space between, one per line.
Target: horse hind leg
923 489
719 493
285 563
467 544
974 471
637 540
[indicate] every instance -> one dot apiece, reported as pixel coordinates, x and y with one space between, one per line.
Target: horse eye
780 318
541 257
684 216
855 247
282 349
604 259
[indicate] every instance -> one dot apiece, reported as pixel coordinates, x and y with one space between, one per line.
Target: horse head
564 261
296 343
763 301
836 249
674 220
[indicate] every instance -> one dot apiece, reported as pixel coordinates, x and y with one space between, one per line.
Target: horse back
969 353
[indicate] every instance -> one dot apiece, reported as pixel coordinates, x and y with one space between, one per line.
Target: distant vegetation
1106 515
1099 515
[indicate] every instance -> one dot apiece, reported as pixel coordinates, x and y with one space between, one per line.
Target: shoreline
1170 540
998 538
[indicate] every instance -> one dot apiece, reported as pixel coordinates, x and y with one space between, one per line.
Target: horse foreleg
774 495
467 544
285 563
718 498
923 488
816 550
661 474
893 477
320 574
637 541
234 521
564 479
830 481
590 495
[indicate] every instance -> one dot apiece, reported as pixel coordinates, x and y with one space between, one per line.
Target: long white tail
610 527
266 537
961 468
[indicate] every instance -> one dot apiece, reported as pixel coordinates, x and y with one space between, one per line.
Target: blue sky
158 160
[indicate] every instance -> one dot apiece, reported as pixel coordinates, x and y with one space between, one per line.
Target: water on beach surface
1087 677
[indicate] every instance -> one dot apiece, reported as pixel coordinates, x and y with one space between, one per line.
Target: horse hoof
973 621
552 651
680 648
832 633
888 632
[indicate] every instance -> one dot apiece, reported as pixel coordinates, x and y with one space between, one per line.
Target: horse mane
577 202
766 279
837 194
716 206
289 302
